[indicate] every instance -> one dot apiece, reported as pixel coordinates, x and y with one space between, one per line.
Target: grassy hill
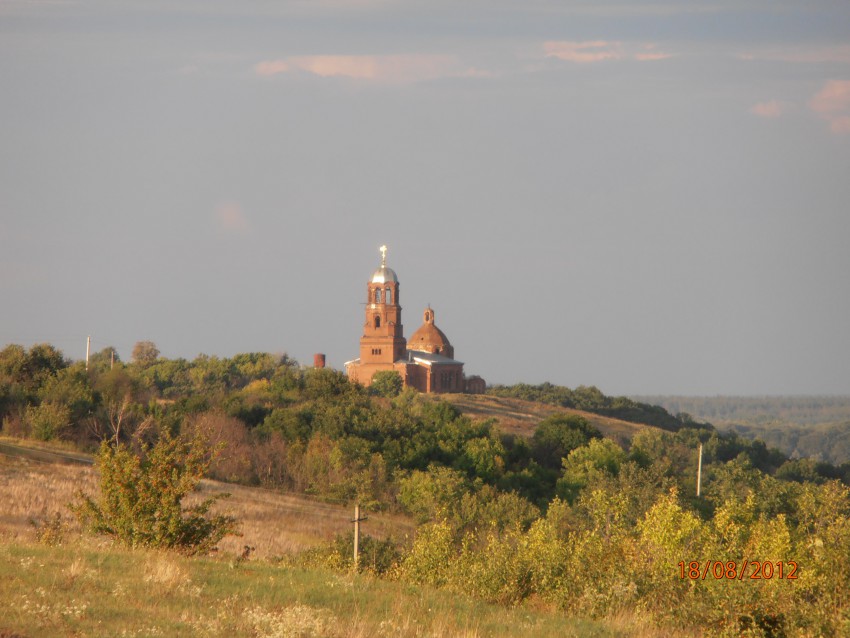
39 480
520 417
273 523
90 587
83 589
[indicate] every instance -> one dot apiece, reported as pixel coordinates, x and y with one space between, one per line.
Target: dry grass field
271 522
516 416
88 586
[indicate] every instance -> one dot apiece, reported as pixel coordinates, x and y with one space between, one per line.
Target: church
425 362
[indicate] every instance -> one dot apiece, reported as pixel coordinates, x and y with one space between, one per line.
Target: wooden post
356 536
699 470
356 521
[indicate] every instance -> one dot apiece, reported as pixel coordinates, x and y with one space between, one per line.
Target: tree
48 421
141 497
69 387
29 369
103 359
43 360
588 463
558 435
387 383
118 412
145 352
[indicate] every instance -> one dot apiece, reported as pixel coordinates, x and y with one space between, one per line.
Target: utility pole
699 470
112 359
356 521
88 350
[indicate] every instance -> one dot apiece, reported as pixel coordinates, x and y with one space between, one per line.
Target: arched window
389 295
377 295
377 321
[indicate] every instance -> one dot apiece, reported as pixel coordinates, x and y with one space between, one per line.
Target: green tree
141 497
29 369
43 360
558 435
591 462
69 387
145 352
387 383
48 421
433 494
104 359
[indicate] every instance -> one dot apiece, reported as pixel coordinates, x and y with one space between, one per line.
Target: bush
376 556
141 498
48 421
49 530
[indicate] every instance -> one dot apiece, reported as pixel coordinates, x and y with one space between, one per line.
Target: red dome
429 338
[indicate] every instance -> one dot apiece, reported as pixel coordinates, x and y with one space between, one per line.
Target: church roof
428 335
429 338
384 275
429 358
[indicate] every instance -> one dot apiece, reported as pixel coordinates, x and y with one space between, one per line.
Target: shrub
432 494
141 498
49 530
48 421
376 556
433 556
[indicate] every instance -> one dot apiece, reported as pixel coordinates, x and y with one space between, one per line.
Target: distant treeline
591 399
801 410
800 426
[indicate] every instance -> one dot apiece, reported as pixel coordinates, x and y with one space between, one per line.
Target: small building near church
425 361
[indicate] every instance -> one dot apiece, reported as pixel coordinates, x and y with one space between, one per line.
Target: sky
649 197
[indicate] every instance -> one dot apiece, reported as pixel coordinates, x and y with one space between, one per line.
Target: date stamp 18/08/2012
739 570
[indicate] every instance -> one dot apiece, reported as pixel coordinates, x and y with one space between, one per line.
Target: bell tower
383 334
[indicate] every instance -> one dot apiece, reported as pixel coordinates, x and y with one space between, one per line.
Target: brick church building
425 362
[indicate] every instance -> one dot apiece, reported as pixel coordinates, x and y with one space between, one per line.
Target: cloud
840 124
832 98
582 52
771 109
832 103
230 218
802 55
375 68
271 67
652 57
601 50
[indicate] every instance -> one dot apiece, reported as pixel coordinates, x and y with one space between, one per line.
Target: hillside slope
272 522
520 417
